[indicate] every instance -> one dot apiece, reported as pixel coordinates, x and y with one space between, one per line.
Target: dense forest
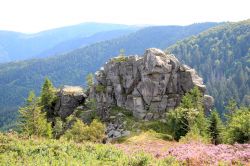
18 78
221 55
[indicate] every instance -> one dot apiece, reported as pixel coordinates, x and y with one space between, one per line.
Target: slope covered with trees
221 55
18 78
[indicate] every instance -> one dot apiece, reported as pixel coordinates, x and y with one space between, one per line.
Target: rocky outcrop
148 85
69 98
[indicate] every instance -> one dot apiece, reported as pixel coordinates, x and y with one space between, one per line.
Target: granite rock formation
148 85
69 98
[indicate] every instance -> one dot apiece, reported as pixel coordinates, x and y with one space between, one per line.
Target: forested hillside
19 46
222 57
78 42
18 78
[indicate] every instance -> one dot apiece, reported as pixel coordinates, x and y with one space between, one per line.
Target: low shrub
194 136
140 159
15 150
100 89
80 132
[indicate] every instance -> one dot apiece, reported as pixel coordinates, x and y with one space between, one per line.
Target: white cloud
37 15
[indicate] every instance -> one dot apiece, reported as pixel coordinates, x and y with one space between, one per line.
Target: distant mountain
18 78
222 57
19 46
78 42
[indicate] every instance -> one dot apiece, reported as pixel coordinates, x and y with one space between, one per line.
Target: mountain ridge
19 46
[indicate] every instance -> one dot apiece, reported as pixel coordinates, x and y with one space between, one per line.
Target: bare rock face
148 85
69 97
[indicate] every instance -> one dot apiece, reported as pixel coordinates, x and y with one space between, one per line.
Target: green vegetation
58 128
100 88
81 132
121 57
189 117
73 142
115 110
238 126
90 80
215 127
48 97
17 150
32 120
188 122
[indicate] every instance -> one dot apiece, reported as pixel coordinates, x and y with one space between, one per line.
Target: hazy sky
36 15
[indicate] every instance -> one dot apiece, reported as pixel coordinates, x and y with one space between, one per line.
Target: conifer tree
32 120
215 127
48 98
189 116
48 95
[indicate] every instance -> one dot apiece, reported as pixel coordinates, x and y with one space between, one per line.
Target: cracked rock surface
148 86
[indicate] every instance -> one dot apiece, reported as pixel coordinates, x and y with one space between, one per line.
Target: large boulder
69 98
148 86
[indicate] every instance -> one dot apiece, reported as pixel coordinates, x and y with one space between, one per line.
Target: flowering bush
211 154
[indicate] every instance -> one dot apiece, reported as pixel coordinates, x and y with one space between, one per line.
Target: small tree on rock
90 80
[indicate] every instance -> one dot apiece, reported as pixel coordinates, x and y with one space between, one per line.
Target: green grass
17 150
146 136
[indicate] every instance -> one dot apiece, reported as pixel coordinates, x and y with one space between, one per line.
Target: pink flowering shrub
207 154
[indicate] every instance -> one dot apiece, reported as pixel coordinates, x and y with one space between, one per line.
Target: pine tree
48 95
215 127
48 98
32 120
189 116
